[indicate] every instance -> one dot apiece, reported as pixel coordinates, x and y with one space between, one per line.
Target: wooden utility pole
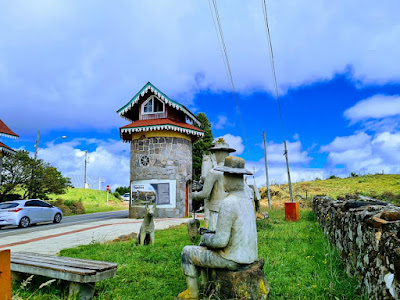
288 172
266 171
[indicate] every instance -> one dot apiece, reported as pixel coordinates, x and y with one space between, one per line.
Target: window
8 205
42 204
153 106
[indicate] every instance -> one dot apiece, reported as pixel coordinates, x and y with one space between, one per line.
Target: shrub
333 177
77 208
352 174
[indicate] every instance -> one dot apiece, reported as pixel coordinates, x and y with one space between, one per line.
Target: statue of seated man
234 242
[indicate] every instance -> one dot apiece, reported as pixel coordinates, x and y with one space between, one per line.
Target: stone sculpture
146 233
213 188
234 242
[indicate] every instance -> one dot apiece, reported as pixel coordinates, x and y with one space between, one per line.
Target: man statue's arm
220 238
207 187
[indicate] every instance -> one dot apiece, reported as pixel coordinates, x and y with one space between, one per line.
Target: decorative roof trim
161 96
7 150
9 135
161 127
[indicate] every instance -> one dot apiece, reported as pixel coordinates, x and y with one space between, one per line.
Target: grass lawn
368 185
93 200
299 264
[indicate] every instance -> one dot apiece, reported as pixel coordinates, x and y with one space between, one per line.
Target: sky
66 67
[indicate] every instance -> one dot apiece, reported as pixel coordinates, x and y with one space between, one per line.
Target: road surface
66 221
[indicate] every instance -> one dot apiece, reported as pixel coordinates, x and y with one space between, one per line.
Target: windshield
8 205
126 195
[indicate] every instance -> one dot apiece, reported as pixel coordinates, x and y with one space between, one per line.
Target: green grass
299 264
93 200
385 187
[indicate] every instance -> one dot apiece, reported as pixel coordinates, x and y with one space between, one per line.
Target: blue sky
67 66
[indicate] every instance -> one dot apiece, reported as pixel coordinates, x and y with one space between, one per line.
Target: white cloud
344 143
222 122
109 161
375 107
65 60
362 153
235 142
296 154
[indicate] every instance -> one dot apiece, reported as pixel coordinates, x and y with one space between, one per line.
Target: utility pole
288 172
266 171
86 162
37 144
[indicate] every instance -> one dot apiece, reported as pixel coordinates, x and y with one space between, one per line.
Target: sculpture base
292 212
248 283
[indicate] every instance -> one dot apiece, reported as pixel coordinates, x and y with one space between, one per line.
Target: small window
30 203
153 106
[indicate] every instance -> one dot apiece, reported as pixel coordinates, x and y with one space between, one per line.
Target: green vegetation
24 177
384 187
202 145
299 264
92 200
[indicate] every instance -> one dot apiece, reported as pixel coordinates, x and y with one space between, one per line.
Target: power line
272 61
227 64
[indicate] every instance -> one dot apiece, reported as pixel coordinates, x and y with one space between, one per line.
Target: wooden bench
81 273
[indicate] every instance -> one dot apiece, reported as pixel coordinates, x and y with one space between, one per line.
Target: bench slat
53 267
65 261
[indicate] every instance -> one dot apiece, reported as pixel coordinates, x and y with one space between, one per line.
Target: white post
107 196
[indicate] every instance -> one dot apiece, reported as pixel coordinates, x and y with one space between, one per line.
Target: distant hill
384 187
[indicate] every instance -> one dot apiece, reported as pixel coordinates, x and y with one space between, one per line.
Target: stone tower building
161 138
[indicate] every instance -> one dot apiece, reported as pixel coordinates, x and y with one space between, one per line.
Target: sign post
5 275
108 191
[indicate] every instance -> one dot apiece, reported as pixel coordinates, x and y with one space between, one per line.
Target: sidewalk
52 241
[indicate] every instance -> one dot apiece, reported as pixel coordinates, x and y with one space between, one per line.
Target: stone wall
169 158
368 238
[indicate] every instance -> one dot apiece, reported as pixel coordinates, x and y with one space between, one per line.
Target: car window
42 204
126 195
8 205
30 203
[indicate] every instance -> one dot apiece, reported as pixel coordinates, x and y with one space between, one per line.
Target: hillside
93 200
384 187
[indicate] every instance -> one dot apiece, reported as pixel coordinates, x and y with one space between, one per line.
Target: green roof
122 111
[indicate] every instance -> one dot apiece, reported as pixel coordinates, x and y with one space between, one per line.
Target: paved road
67 221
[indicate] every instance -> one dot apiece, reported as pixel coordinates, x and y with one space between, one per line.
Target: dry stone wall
367 234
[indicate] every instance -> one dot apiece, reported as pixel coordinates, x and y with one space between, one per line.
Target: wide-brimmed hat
218 146
234 165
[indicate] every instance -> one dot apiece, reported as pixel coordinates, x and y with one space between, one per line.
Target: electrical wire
272 61
221 40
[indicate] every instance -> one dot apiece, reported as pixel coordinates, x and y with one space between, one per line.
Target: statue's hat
234 165
221 146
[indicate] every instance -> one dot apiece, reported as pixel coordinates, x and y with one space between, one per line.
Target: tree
36 178
122 190
202 145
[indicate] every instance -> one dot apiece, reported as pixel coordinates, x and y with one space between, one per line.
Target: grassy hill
384 187
92 200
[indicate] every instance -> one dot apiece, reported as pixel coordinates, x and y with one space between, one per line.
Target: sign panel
161 192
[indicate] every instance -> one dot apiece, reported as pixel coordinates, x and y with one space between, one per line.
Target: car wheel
1 226
24 222
57 218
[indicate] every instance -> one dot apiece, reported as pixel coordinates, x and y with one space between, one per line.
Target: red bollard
292 212
5 275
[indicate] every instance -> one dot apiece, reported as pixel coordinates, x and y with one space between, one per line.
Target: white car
125 197
26 212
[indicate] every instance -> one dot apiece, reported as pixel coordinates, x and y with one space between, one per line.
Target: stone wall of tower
170 158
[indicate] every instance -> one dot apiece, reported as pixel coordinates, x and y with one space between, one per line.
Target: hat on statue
221 146
234 165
